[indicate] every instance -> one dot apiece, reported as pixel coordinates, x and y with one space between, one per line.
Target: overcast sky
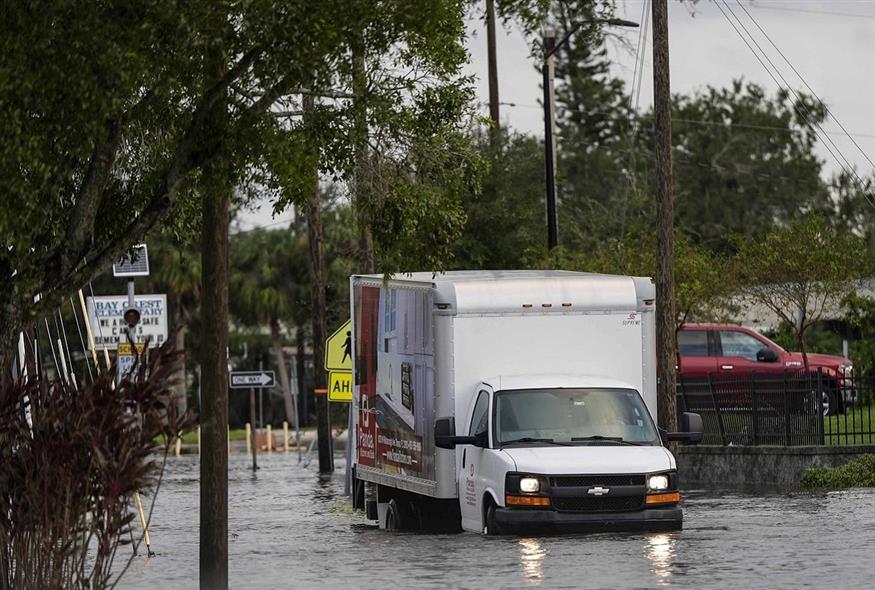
831 43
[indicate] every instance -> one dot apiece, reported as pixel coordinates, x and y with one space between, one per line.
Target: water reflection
532 555
660 551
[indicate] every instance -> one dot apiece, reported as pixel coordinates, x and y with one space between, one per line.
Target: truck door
471 484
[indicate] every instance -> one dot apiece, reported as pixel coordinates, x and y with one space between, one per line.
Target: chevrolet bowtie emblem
598 491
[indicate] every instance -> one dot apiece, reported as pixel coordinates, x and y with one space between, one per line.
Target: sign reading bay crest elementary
338 363
105 314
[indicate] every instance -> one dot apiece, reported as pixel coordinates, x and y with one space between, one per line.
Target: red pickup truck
726 349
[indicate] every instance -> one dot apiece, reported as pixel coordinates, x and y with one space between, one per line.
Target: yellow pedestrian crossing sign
338 349
340 386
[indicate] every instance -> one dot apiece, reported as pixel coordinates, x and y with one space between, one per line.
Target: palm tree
267 284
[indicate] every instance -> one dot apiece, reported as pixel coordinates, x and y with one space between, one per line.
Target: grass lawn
191 437
855 427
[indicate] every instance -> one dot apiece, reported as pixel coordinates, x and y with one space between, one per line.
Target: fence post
818 395
785 388
717 410
683 393
755 408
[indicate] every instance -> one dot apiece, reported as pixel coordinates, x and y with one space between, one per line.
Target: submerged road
292 529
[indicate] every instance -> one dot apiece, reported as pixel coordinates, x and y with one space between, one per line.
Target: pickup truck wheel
491 526
830 403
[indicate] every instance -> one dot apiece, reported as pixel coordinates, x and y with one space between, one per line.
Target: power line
810 89
706 122
815 126
810 11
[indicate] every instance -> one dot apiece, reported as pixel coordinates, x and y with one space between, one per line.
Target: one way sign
247 379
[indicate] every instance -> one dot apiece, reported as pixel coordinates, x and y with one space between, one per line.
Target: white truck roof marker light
566 305
546 305
527 305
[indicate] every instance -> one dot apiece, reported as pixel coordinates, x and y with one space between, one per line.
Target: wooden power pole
214 374
666 334
320 324
493 64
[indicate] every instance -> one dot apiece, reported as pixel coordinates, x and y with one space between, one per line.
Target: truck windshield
572 416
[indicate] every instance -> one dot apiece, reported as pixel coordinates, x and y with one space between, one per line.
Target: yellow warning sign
340 386
125 349
338 349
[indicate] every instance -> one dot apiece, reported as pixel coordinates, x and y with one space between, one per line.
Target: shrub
71 460
858 472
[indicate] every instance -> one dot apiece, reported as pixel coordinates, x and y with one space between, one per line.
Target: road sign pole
253 438
261 398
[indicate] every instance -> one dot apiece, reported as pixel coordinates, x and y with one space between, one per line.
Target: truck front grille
575 481
599 504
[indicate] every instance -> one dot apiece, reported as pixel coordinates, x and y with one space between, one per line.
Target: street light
550 48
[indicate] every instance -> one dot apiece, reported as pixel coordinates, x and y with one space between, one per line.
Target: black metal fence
789 408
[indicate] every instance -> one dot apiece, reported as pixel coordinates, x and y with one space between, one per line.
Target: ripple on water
290 528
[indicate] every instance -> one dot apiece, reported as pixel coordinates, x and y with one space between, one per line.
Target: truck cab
563 452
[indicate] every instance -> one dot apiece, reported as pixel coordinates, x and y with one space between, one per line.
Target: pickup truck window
740 344
479 421
693 342
574 416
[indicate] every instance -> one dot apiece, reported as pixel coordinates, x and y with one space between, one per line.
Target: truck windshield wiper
529 439
598 437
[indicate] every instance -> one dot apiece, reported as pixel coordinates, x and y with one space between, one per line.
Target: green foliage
505 221
744 161
799 269
855 473
67 481
107 123
704 281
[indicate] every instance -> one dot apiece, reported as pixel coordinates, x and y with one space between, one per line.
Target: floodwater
291 529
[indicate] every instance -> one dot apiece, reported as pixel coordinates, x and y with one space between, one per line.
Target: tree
505 220
704 280
108 119
799 270
268 279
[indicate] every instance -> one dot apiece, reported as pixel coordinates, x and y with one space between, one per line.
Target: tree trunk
217 188
320 328
280 360
666 318
301 345
363 199
180 385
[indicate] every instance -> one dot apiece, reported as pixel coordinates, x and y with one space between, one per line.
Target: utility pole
493 66
547 71
214 372
666 333
320 324
216 189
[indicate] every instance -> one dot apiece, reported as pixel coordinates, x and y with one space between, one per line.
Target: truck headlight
530 485
657 482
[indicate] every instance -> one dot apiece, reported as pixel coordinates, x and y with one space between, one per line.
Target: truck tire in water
394 519
492 527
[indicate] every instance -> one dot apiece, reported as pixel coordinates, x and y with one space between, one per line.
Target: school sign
109 327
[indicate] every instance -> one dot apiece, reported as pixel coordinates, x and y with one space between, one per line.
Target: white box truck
503 401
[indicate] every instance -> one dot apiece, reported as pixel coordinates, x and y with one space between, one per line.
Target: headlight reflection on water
532 555
660 551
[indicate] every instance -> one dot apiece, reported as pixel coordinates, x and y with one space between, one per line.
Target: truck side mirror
692 430
445 434
767 355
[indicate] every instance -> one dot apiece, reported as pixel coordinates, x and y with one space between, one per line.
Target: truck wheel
394 521
830 403
491 526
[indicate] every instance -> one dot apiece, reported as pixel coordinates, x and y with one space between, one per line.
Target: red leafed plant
71 460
